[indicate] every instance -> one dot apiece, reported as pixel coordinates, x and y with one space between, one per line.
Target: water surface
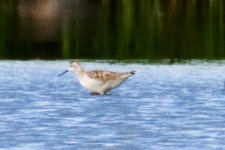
178 106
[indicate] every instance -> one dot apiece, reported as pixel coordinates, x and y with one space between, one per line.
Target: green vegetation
119 29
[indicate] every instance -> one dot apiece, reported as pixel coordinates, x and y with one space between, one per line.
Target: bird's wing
107 75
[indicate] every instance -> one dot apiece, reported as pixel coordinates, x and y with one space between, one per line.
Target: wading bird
97 81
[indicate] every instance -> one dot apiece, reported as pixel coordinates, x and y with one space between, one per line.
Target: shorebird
97 81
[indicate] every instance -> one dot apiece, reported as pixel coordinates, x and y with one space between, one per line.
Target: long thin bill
62 73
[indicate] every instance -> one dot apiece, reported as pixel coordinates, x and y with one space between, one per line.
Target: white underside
97 86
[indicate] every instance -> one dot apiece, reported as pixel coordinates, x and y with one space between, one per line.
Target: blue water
179 106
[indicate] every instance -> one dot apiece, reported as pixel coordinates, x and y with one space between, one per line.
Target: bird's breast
89 83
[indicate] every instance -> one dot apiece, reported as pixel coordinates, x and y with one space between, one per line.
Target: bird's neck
80 72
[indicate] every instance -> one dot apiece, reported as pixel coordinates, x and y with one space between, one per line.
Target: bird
97 82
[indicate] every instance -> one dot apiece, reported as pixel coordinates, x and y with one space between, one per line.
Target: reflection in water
122 29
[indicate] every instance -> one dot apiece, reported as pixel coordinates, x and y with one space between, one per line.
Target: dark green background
112 29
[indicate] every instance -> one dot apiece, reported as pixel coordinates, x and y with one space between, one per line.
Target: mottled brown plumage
106 75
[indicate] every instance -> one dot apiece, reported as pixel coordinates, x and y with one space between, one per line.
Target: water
179 106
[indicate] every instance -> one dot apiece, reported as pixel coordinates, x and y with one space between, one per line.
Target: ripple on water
178 106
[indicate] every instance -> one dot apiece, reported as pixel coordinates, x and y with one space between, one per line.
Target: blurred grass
117 29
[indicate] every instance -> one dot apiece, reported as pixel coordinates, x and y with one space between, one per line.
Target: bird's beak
62 73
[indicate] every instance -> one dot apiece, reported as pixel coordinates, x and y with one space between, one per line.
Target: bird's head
74 67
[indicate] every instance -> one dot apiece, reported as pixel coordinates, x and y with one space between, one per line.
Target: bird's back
108 79
108 75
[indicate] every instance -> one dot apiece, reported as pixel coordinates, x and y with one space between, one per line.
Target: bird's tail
127 74
132 72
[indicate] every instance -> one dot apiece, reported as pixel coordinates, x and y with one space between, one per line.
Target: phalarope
97 81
